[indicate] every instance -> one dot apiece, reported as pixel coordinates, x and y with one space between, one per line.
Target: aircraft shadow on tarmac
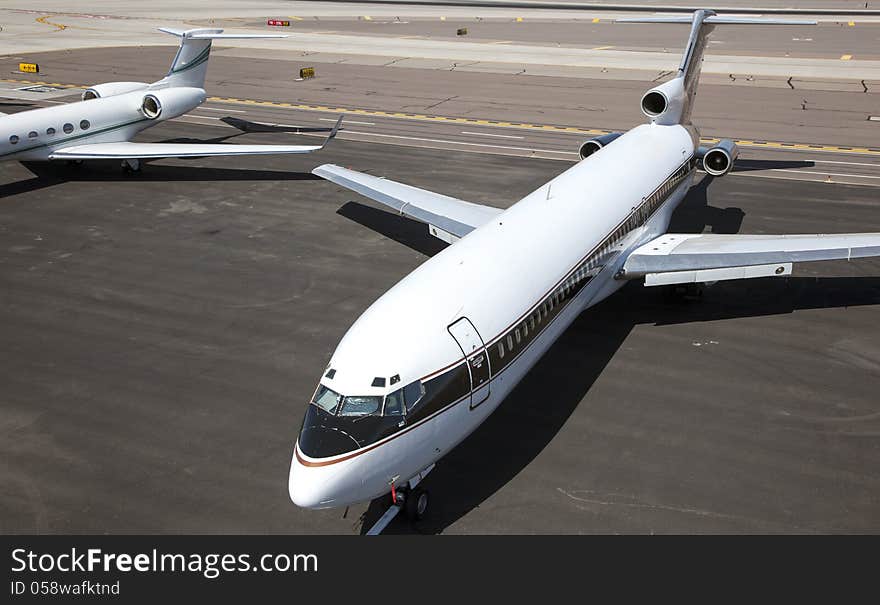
750 165
49 174
401 229
528 420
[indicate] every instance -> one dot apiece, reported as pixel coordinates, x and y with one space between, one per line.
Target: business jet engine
111 89
171 102
591 146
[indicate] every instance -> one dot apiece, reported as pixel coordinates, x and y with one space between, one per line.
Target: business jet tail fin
672 102
191 61
677 258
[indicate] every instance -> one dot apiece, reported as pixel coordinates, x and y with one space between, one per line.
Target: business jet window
50 131
13 139
32 134
327 399
84 125
67 128
360 405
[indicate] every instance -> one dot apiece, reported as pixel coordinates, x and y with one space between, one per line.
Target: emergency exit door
474 350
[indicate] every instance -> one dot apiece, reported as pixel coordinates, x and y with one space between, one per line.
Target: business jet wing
103 151
142 151
687 258
454 216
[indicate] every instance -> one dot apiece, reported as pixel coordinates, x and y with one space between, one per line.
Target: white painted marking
395 136
853 176
222 109
785 178
844 163
486 134
347 121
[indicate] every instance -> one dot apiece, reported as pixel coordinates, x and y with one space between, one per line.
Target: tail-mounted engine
111 89
665 104
171 102
593 145
718 160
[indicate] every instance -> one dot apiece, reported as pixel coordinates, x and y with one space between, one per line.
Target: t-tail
191 61
672 102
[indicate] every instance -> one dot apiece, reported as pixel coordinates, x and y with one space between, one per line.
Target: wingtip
333 132
336 127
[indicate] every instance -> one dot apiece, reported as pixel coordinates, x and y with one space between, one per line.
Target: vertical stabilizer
672 101
191 61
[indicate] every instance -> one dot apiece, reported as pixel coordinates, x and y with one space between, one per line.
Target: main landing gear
131 166
410 498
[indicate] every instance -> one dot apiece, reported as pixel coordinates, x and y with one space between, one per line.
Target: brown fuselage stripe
326 462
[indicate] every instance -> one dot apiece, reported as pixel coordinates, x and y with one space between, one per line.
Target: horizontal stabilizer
213 34
450 215
716 20
712 253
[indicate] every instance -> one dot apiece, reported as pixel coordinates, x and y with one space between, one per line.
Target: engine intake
593 145
664 104
151 107
719 160
654 103
171 102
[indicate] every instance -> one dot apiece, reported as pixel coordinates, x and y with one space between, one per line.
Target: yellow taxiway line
495 123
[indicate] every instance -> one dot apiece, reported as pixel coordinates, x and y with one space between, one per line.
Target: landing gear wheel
416 504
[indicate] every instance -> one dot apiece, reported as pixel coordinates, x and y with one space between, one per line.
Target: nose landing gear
416 504
410 498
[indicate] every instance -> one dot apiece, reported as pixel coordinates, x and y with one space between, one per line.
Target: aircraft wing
687 258
101 151
143 151
450 215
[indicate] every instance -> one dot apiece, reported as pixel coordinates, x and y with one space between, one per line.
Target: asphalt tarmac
827 113
162 335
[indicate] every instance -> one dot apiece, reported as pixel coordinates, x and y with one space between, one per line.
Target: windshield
397 403
360 405
326 399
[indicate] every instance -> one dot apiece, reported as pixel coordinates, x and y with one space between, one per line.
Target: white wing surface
684 258
452 215
100 151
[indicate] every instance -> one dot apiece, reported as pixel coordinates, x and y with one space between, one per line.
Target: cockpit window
394 405
398 403
360 405
326 399
412 393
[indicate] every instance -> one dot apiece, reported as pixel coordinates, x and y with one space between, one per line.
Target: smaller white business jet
428 362
102 125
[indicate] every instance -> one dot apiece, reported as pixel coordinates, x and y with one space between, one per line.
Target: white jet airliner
435 355
102 125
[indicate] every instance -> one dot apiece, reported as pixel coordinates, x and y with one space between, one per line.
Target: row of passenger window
522 334
67 129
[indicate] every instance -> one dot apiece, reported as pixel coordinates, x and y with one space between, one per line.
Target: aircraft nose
309 487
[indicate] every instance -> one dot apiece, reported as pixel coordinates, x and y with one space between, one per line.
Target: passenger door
474 350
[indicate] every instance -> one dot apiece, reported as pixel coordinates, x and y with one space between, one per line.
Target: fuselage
428 362
34 135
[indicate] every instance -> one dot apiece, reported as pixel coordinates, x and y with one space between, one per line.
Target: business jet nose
310 487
